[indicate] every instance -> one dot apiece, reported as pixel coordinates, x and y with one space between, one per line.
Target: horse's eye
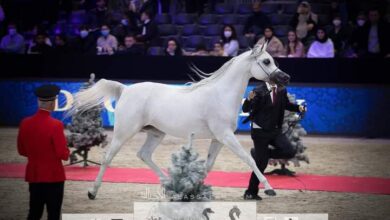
266 61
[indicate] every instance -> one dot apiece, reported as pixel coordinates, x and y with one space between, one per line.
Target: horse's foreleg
234 145
111 152
153 139
215 148
120 136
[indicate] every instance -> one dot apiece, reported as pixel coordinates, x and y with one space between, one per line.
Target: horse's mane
207 78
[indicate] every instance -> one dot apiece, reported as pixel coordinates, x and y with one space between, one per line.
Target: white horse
208 108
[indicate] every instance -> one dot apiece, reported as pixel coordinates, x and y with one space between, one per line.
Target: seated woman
294 47
229 40
304 22
173 48
275 46
322 47
106 44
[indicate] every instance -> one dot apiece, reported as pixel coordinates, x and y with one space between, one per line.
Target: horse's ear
253 50
256 50
264 46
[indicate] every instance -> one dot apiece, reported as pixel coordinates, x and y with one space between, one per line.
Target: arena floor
328 155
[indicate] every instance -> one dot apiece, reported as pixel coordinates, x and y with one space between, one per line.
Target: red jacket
41 139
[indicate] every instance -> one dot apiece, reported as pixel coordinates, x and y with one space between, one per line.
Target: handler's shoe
248 196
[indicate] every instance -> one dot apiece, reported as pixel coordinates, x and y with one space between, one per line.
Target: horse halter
268 74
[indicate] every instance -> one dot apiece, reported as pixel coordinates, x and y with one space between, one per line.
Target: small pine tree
86 130
186 177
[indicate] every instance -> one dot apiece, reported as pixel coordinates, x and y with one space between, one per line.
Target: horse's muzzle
280 78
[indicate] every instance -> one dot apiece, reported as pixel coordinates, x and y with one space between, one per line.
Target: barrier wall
157 68
341 110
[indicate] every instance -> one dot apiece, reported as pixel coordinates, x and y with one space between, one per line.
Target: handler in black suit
266 105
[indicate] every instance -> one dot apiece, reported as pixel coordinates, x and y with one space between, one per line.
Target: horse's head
264 68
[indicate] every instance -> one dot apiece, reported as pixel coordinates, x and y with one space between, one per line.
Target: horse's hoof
91 196
270 192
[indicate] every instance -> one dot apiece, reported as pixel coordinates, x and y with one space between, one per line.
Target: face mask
105 32
12 31
336 22
361 22
83 34
125 22
227 34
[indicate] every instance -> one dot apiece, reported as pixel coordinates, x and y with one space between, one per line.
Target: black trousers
261 140
49 194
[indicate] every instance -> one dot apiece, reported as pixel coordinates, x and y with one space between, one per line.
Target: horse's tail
96 95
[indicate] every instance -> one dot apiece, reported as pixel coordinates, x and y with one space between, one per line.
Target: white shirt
231 48
144 27
269 87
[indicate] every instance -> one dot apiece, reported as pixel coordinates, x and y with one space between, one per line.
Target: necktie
273 94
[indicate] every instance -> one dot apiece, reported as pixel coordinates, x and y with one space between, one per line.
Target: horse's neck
232 85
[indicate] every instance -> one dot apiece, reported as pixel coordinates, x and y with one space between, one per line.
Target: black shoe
248 196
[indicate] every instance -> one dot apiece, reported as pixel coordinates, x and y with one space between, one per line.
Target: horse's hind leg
120 136
153 139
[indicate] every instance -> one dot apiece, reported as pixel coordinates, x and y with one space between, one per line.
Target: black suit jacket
383 37
151 33
266 114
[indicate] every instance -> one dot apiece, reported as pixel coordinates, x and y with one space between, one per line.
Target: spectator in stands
61 45
123 28
40 45
373 37
31 34
361 19
358 29
149 31
131 47
257 22
132 16
200 51
151 6
13 42
322 47
294 47
85 43
304 21
275 46
106 44
229 40
340 34
99 15
339 9
173 48
218 50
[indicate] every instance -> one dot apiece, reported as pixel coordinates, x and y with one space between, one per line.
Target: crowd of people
128 27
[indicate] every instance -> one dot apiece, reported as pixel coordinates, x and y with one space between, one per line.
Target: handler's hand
302 108
251 95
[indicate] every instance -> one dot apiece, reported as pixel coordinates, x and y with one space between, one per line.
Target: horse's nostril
286 76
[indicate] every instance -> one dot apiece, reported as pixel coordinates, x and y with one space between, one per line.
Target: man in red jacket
41 139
